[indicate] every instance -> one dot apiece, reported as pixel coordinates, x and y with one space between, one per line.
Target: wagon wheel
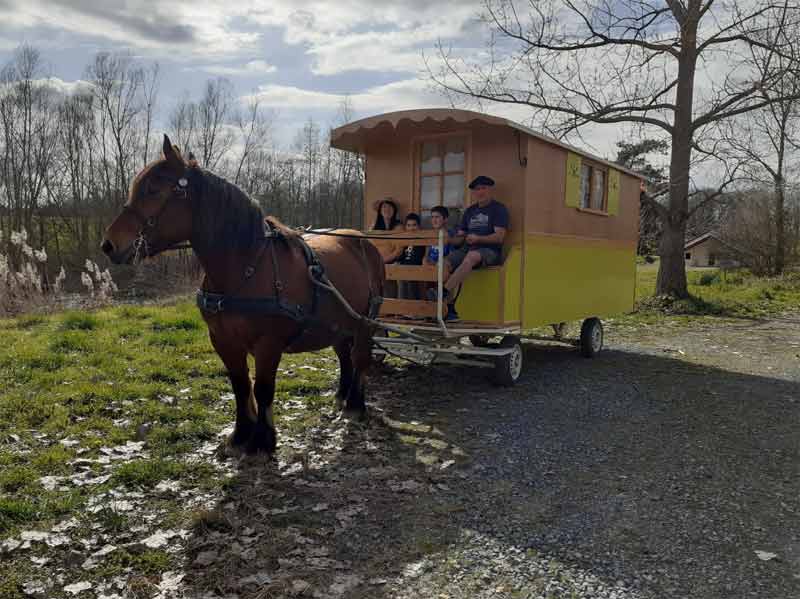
508 368
591 337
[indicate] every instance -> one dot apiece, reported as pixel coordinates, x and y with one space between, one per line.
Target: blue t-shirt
433 250
482 221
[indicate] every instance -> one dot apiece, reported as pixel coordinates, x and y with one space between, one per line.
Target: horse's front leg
235 360
264 437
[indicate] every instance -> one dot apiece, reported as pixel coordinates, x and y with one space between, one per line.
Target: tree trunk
672 269
780 224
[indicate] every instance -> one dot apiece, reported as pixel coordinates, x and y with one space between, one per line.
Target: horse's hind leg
235 360
264 438
361 355
343 350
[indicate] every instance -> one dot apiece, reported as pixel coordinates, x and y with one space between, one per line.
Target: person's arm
392 255
495 238
459 238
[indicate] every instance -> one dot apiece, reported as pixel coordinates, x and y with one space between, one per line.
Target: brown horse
257 296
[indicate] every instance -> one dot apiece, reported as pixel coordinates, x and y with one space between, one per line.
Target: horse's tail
376 273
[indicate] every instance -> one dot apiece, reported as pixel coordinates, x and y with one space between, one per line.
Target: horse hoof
263 443
227 449
354 414
340 402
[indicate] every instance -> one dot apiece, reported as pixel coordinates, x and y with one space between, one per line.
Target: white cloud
184 29
364 35
399 95
59 86
254 67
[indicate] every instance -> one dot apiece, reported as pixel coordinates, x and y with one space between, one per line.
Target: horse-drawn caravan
267 289
569 252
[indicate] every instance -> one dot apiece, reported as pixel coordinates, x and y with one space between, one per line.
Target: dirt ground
669 466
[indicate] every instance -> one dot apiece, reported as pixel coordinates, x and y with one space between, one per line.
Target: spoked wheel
508 368
591 337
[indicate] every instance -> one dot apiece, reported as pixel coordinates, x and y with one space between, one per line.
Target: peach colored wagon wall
491 150
547 209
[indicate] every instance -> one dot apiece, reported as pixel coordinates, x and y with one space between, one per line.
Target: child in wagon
439 216
411 255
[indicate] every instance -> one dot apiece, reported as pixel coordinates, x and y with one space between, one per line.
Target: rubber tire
501 375
587 333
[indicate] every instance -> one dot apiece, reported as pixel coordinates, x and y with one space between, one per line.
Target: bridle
147 224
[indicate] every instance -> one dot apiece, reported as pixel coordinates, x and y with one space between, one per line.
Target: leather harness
215 303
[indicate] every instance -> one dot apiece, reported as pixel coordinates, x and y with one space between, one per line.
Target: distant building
707 250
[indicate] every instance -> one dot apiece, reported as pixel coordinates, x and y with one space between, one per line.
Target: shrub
24 283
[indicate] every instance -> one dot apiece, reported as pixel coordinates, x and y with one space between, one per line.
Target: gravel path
669 466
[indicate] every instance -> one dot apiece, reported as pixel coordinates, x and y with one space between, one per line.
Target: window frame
595 167
416 162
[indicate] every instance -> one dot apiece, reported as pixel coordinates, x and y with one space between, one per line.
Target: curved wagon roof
352 137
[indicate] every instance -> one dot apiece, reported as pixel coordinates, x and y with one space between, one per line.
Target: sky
301 57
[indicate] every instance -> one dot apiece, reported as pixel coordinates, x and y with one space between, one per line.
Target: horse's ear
172 154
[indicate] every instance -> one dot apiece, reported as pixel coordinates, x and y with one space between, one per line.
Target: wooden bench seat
408 307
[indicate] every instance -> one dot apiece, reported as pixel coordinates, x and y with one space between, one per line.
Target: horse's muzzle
118 257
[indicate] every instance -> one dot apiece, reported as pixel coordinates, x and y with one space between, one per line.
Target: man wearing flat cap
481 234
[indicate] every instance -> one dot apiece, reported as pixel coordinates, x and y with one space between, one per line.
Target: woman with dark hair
386 220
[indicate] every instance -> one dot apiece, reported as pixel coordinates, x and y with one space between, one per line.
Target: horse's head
157 214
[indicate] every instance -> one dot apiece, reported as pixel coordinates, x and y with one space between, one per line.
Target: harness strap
214 303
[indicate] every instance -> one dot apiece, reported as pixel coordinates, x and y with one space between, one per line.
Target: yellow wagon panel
573 278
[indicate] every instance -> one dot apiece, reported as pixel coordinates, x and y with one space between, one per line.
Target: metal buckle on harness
212 306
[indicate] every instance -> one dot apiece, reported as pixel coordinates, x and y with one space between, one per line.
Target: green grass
74 377
733 294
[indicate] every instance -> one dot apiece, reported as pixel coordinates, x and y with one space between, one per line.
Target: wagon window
442 177
593 187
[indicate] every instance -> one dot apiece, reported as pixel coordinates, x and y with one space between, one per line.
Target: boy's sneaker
451 315
433 294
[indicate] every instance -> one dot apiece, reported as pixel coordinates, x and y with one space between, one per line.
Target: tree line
68 156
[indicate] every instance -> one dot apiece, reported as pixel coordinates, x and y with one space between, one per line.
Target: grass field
79 391
104 410
735 294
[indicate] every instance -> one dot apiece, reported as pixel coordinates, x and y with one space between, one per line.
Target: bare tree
674 66
254 133
214 111
308 145
28 135
183 124
73 192
749 230
150 83
765 139
117 86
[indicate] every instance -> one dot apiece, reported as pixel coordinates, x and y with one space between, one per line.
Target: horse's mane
223 216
